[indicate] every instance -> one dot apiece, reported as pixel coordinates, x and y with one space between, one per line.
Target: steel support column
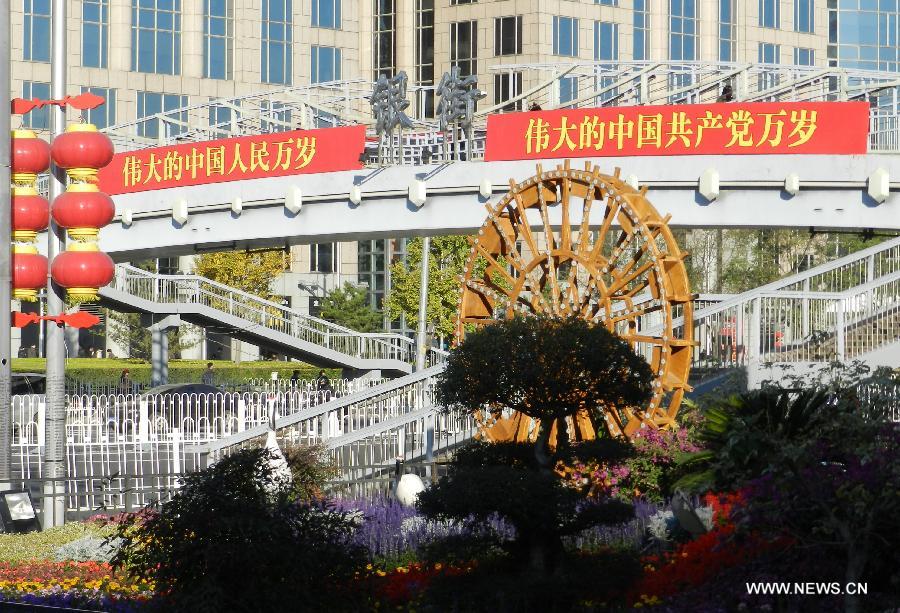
421 327
5 254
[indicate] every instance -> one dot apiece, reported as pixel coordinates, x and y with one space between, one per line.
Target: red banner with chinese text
233 159
686 129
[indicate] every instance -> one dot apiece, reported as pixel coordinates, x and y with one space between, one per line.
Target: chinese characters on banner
701 129
234 159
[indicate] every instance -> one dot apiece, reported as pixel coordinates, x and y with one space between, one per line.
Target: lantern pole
55 419
5 253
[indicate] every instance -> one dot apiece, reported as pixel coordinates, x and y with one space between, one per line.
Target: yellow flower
381 573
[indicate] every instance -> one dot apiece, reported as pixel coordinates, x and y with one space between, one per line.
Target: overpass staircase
210 304
843 310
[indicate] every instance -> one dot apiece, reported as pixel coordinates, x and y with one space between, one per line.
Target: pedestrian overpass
422 187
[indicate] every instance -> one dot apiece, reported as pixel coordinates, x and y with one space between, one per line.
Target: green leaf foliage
349 307
545 368
447 260
233 539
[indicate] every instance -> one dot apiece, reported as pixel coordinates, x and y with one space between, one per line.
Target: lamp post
5 252
55 419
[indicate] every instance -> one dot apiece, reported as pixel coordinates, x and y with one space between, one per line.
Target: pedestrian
534 106
295 379
110 355
727 94
207 378
125 382
322 383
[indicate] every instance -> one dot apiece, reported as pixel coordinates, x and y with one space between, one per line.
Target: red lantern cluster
29 157
82 210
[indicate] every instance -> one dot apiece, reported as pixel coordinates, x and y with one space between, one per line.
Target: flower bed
88 585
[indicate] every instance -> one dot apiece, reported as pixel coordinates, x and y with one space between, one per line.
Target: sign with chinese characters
686 129
233 159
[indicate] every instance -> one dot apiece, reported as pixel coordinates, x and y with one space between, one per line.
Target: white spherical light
408 489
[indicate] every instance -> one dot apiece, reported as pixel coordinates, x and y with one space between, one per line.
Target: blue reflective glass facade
276 60
152 103
682 29
864 34
156 36
326 14
94 33
565 36
36 44
39 119
326 64
568 89
104 115
218 39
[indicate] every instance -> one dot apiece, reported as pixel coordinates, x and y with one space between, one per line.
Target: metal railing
259 313
372 427
837 311
595 84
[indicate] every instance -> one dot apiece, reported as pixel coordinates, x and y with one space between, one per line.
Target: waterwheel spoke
615 280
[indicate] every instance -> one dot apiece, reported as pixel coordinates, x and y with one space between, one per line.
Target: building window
568 89
508 85
727 31
464 47
94 33
326 14
323 257
218 38
371 263
508 35
326 64
156 36
383 43
277 22
39 119
425 56
104 115
220 116
565 36
683 30
768 54
607 2
641 30
153 103
606 48
770 13
804 20
37 30
606 40
455 2
276 116
804 57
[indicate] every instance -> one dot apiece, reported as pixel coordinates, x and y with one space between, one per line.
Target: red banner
688 129
234 159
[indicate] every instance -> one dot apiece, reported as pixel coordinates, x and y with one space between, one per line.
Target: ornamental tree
546 368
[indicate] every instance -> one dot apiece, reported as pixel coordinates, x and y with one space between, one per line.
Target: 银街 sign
233 159
686 129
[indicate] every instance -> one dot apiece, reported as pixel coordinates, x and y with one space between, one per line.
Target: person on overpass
322 383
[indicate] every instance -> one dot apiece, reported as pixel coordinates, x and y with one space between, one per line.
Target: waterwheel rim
576 242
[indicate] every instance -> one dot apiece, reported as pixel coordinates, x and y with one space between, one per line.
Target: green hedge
108 371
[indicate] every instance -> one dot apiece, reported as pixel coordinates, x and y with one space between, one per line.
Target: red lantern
29 272
81 151
30 214
82 269
83 209
29 156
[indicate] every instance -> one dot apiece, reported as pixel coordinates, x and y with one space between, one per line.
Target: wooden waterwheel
570 241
